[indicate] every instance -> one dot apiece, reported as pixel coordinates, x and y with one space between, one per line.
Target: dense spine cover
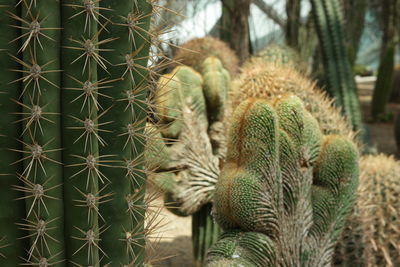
74 84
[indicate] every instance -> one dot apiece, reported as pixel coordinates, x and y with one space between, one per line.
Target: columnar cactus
372 231
285 189
341 85
74 80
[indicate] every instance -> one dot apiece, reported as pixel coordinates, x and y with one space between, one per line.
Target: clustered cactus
190 108
74 81
285 184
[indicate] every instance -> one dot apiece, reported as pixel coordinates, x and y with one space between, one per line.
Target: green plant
389 41
338 72
285 189
75 79
383 84
192 108
195 51
281 55
268 80
371 235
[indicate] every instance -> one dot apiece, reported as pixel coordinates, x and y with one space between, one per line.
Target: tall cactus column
124 239
39 59
81 131
341 84
65 201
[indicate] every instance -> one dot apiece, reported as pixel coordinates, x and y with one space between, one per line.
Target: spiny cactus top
286 181
194 52
266 80
372 232
280 54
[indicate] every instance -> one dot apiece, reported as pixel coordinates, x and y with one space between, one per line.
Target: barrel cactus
195 51
285 189
281 55
371 235
74 79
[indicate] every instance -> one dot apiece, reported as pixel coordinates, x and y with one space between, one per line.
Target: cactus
280 55
192 108
285 189
338 72
371 236
195 51
71 148
268 80
205 232
383 85
389 41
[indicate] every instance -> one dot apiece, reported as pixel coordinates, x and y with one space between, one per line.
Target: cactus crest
285 180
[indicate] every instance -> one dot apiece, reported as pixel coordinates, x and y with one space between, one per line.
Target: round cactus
267 80
194 52
280 54
372 231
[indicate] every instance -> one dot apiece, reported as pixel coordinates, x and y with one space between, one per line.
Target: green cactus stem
11 210
283 179
42 172
339 76
124 239
73 187
205 233
81 137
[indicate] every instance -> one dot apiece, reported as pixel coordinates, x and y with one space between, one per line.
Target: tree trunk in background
386 66
292 28
354 16
235 26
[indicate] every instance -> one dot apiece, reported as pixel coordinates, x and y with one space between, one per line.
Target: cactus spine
71 148
286 181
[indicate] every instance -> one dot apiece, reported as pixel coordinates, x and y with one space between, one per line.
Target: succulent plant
339 75
268 80
285 189
73 180
281 55
371 235
195 51
187 155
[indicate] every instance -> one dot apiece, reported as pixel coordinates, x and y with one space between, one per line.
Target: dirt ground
175 244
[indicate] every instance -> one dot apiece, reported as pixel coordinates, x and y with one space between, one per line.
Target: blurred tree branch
270 12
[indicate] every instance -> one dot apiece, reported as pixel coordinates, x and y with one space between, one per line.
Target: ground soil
174 248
